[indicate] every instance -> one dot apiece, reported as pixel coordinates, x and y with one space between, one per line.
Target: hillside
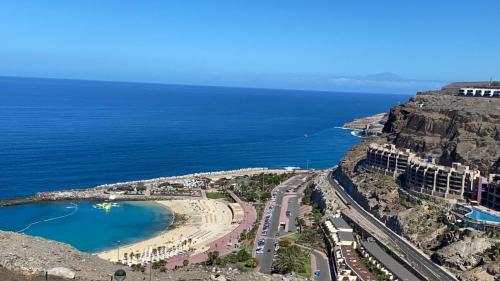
26 258
450 128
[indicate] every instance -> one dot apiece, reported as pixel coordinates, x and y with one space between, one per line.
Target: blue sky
324 45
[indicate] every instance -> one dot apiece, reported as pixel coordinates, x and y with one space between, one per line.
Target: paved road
293 207
266 258
321 266
421 263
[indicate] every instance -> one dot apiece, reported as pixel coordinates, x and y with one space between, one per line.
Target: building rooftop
353 261
388 147
339 223
389 262
345 236
456 167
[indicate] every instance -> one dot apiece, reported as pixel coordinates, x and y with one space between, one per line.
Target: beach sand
204 221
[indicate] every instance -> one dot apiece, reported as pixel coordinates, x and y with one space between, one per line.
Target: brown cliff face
449 128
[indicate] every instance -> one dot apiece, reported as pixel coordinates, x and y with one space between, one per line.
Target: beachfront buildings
493 92
388 158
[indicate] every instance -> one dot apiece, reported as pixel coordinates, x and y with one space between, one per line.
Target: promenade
224 245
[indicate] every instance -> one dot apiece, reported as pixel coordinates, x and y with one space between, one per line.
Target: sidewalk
225 244
315 254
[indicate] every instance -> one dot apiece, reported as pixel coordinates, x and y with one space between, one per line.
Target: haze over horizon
386 46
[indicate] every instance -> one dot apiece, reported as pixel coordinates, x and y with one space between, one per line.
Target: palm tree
300 222
212 256
252 263
289 259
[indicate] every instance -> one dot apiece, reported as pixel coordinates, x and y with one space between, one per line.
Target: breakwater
102 192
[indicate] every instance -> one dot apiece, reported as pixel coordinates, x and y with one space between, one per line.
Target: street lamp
120 275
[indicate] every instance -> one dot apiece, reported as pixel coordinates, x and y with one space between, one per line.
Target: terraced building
388 158
424 176
455 182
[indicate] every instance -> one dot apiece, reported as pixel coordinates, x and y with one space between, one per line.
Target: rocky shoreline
81 195
449 128
101 192
367 126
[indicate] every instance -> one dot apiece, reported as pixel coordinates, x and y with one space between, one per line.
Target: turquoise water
483 216
59 134
86 228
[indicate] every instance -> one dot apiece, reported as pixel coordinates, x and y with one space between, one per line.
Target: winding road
421 263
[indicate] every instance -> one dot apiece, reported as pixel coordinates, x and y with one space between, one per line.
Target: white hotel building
480 92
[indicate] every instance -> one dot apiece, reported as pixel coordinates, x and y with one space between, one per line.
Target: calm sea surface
57 134
87 228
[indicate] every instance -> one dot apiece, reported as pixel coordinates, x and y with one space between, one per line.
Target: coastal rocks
449 128
61 272
35 256
494 268
463 254
480 273
368 126
24 258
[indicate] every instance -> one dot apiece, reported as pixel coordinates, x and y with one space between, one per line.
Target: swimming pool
480 215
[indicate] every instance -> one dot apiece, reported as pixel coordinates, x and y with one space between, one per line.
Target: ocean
85 227
59 134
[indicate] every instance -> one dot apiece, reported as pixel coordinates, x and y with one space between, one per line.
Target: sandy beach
204 221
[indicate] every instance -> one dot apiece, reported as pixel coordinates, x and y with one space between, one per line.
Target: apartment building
493 92
388 158
493 192
455 182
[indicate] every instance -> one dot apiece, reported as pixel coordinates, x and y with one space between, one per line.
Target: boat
105 205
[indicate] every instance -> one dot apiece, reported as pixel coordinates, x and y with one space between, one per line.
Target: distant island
417 199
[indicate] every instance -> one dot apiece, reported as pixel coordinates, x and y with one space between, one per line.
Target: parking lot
270 231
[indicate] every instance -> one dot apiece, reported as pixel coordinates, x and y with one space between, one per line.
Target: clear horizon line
201 85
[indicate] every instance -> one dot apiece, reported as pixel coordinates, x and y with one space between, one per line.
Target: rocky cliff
450 128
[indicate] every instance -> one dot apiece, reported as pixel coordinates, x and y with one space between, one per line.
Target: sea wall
100 192
83 195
